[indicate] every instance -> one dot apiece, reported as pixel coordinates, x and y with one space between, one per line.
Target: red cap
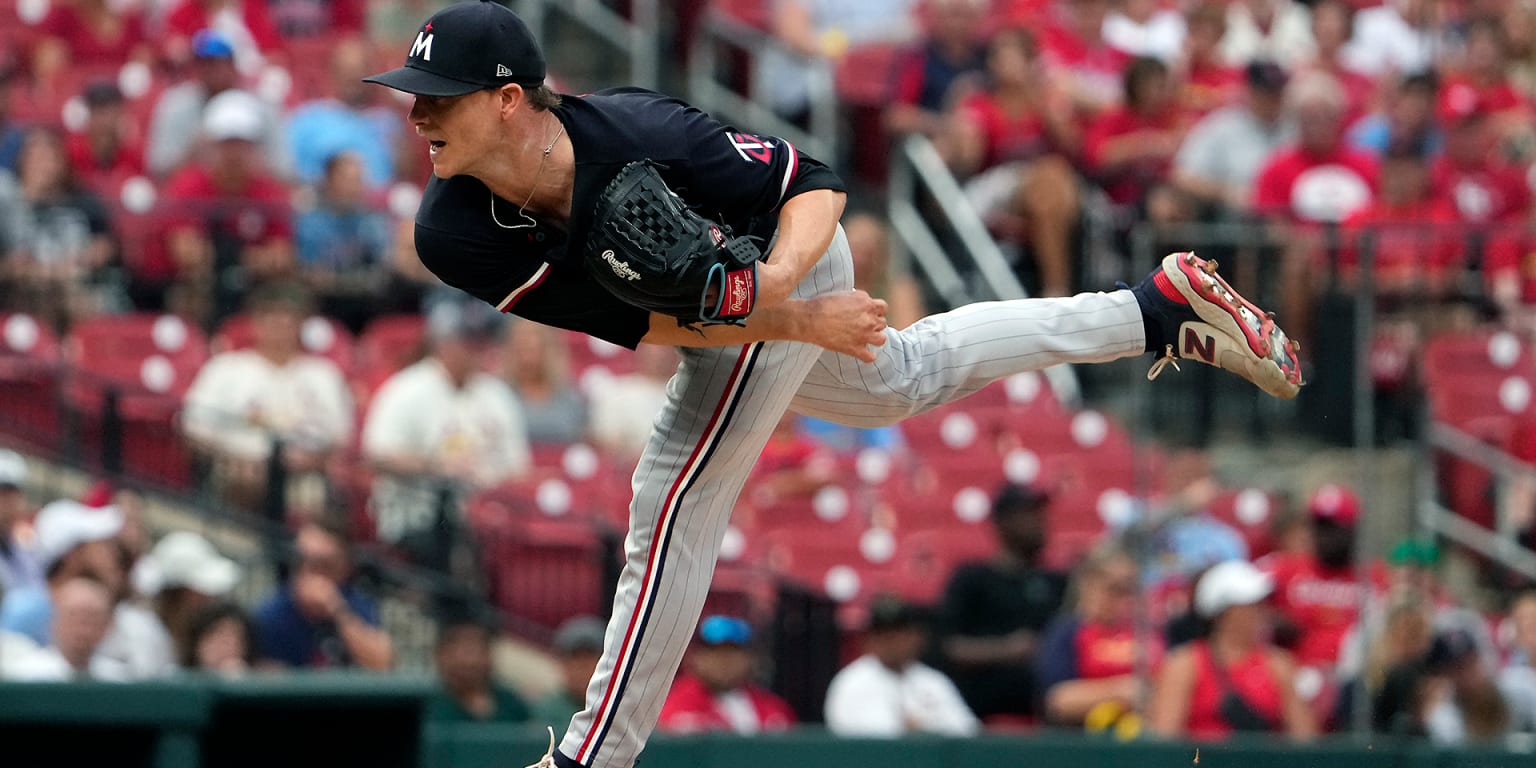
1334 502
1458 103
99 494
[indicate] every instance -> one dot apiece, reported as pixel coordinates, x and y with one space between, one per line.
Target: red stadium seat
387 344
547 571
29 381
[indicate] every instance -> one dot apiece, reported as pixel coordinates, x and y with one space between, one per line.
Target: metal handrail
636 37
1499 545
819 139
917 163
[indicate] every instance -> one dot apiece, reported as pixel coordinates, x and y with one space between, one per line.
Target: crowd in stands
218 161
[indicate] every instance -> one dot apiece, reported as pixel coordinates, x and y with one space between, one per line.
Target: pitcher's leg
947 356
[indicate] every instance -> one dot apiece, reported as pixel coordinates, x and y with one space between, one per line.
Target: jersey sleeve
744 175
540 292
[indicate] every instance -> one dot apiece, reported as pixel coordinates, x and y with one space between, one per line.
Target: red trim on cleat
1165 284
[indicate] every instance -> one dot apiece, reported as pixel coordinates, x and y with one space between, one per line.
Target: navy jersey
737 179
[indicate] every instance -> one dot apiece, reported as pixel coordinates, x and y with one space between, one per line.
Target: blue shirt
283 634
19 567
844 439
1191 544
28 611
341 240
319 129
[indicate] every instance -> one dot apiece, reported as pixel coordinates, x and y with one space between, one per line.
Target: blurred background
269 493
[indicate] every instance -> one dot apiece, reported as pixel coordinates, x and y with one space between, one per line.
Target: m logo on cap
422 46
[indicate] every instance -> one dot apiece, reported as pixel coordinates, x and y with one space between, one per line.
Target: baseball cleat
1202 318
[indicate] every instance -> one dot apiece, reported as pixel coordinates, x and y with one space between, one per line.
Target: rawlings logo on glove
650 250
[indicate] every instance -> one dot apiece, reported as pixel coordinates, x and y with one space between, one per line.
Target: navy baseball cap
468 47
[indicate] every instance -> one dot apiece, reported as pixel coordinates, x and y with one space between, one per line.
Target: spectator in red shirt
1131 147
1409 227
1234 679
231 219
1485 69
1482 188
926 76
295 19
1079 57
107 150
91 34
792 465
244 22
1318 180
1208 81
1090 659
716 692
1332 23
1316 594
1010 141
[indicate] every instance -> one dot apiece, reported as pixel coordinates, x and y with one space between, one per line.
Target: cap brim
422 83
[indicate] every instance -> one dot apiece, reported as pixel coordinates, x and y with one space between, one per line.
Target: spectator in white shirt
82 616
625 409
887 692
441 428
243 399
1518 680
1275 30
1398 37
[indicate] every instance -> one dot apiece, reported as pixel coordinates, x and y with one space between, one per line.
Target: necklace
521 211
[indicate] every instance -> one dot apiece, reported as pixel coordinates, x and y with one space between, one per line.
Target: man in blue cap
178 115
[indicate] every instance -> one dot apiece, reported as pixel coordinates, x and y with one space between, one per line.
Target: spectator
174 126
537 366
1077 56
244 24
220 641
242 400
19 566
1398 36
953 52
319 618
1485 190
1411 231
577 646
1461 702
1408 116
350 120
1317 597
1191 539
468 691
1009 141
89 33
1332 23
185 576
1485 70
1130 148
1269 30
993 611
81 619
624 409
1208 82
1403 642
815 34
1146 28
344 245
1092 661
54 235
1518 678
298 19
887 692
230 223
441 424
792 465
1232 680
73 541
1221 155
108 149
716 692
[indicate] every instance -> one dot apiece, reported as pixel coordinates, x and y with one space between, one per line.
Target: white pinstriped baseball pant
721 407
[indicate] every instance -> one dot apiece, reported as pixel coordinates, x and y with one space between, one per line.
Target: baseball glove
649 249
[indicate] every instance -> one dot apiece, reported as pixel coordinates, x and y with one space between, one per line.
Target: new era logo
502 71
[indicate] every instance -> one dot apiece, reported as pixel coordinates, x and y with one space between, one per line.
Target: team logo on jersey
752 148
620 268
423 44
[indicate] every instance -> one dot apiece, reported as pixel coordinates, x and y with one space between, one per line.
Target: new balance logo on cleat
1194 348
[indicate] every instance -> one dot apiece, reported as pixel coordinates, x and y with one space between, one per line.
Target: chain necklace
521 211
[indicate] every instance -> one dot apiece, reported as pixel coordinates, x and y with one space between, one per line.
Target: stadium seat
546 571
29 381
387 344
